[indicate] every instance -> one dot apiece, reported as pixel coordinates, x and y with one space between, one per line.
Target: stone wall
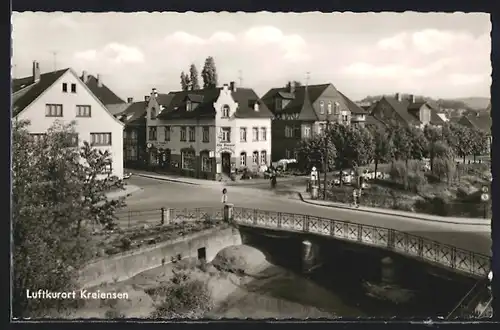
125 265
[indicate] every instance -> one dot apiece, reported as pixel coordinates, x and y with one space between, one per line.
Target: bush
436 205
125 243
410 176
416 181
183 297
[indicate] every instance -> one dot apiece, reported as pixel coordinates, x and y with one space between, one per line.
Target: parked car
127 175
368 174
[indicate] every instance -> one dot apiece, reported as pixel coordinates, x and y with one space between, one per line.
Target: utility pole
240 77
308 74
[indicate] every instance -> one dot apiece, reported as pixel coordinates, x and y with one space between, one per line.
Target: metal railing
421 248
468 303
424 249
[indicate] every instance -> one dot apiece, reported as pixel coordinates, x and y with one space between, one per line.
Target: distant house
407 111
61 96
480 121
100 90
205 132
301 112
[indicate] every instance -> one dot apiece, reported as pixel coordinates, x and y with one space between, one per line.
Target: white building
61 95
206 132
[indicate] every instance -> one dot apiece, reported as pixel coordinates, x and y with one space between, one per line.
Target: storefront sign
211 154
225 145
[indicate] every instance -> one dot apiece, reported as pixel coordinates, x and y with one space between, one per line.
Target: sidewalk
176 178
410 215
129 190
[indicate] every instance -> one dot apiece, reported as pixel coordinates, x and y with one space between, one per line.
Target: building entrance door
226 163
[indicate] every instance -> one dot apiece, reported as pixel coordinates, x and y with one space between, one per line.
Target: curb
166 179
130 193
397 215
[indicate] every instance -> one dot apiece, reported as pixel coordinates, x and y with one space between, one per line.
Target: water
336 288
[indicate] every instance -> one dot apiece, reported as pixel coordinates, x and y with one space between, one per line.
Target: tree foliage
312 152
402 143
383 149
185 82
209 73
194 83
419 144
57 189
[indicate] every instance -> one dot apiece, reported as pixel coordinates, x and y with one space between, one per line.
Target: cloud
460 79
292 47
397 42
112 53
63 21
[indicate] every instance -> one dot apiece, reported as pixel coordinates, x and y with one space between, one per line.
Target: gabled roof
25 91
408 110
307 111
116 109
297 99
480 121
353 107
103 93
245 97
134 111
195 98
164 99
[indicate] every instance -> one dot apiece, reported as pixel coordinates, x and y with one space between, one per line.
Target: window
73 88
225 134
183 133
188 106
65 87
243 134
153 113
263 157
288 154
307 131
255 133
295 154
288 131
152 133
296 131
206 133
263 134
206 164
38 137
243 159
255 158
83 111
278 104
167 133
188 160
53 110
72 140
192 134
329 108
101 139
345 118
322 107
225 111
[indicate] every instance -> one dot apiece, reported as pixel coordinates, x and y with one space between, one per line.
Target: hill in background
465 103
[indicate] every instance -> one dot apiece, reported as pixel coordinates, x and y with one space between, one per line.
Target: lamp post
328 113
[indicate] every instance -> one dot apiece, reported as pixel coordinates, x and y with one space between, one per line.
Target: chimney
398 96
412 98
146 98
232 85
130 99
224 87
36 71
292 87
99 80
154 93
85 76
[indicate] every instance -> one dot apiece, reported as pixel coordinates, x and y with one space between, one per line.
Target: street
157 194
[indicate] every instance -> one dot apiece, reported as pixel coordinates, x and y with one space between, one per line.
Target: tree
465 141
56 191
433 136
193 78
209 73
402 144
383 147
419 144
312 152
479 143
295 82
184 81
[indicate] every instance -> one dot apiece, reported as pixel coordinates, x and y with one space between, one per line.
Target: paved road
159 194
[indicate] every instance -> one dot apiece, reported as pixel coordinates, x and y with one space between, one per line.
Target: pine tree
193 78
209 73
184 81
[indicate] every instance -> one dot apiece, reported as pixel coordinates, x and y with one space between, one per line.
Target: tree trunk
340 176
376 168
464 159
474 158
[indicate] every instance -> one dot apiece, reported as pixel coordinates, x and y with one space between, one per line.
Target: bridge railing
418 247
469 302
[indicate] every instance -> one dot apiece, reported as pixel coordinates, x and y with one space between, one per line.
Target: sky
433 54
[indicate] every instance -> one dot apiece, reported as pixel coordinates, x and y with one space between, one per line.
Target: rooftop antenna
54 54
308 75
240 77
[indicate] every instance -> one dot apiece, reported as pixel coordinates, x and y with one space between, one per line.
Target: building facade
302 111
61 96
208 132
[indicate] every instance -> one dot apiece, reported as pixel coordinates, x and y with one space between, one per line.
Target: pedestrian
360 191
224 196
273 180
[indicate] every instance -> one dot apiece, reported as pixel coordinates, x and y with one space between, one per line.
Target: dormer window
278 104
322 107
189 106
153 114
225 111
